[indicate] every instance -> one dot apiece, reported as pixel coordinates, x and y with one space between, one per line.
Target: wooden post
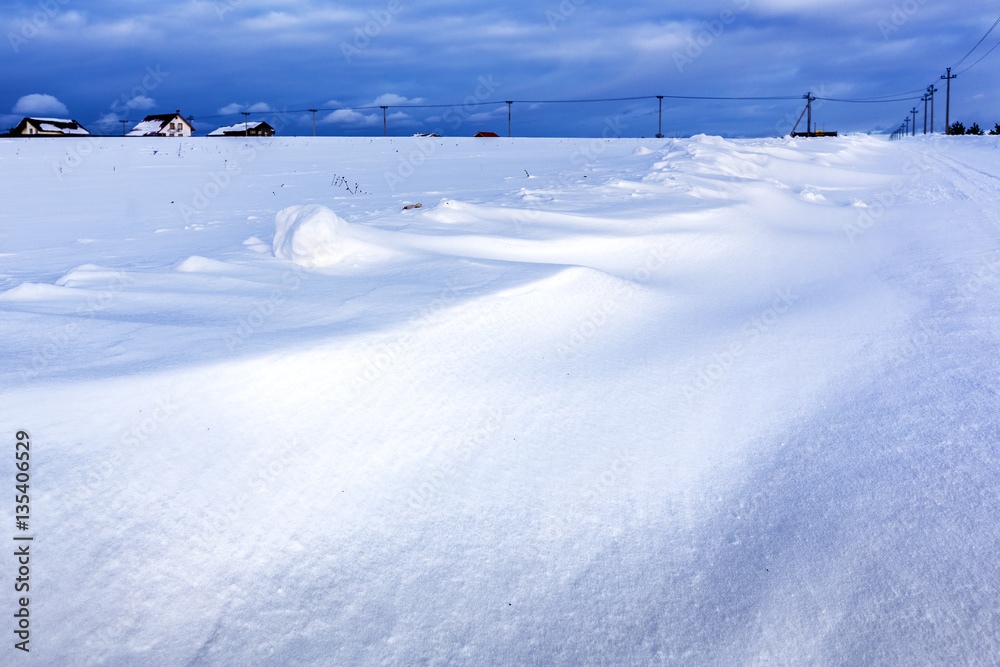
659 127
947 101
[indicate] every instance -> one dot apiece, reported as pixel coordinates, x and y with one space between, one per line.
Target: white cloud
236 107
351 117
141 102
107 120
38 104
392 100
488 115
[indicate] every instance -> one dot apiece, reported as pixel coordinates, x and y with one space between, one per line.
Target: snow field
690 401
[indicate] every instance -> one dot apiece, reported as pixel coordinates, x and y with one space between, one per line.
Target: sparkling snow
638 401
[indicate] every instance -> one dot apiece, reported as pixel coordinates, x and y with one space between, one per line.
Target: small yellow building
49 127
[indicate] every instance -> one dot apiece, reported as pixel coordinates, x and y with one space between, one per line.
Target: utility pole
314 120
246 123
930 91
907 130
809 112
925 98
123 126
947 101
385 127
659 127
913 111
509 102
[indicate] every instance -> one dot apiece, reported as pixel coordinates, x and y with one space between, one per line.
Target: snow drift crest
312 235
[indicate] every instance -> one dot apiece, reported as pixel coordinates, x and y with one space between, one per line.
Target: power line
897 99
995 23
877 97
652 97
570 101
980 59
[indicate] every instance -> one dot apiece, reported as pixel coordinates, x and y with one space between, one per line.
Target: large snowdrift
312 235
690 401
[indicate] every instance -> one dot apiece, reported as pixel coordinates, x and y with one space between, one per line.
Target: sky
449 66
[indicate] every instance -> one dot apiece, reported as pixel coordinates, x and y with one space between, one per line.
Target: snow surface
691 401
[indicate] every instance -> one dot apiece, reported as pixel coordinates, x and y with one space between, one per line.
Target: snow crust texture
675 402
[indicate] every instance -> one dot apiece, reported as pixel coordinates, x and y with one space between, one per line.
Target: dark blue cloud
230 55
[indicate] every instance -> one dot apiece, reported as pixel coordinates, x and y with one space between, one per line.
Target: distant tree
996 130
974 129
957 128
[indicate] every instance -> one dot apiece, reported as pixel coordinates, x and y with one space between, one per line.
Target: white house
49 127
163 125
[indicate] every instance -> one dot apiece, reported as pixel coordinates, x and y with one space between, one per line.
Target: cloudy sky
102 62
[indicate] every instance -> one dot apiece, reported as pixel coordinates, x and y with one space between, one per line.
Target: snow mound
312 235
35 291
85 273
199 264
257 245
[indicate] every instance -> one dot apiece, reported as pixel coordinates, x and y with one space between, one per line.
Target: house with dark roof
163 125
49 127
253 128
486 134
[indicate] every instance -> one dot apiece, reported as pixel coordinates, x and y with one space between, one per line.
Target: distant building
426 134
486 134
253 128
48 127
163 125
